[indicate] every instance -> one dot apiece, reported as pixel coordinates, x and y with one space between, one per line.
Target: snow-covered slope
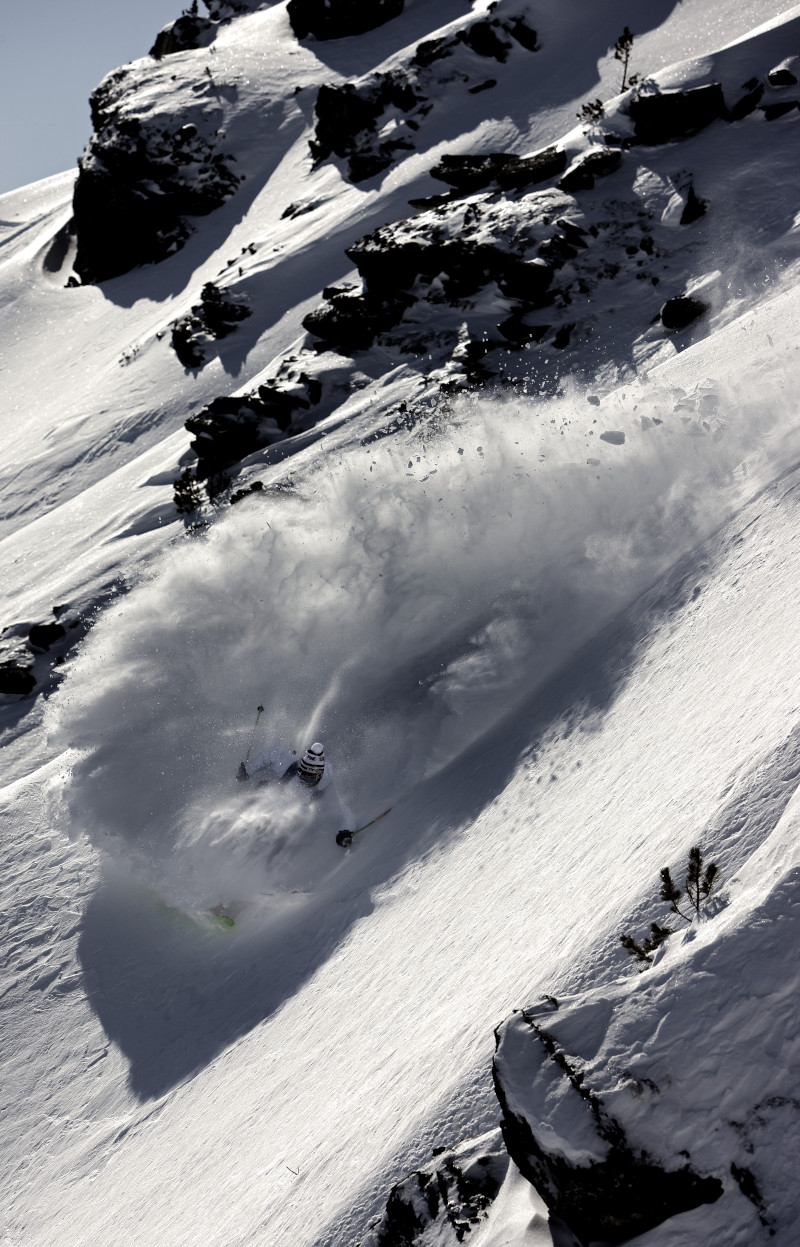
534 590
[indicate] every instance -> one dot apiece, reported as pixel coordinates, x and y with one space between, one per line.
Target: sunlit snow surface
561 657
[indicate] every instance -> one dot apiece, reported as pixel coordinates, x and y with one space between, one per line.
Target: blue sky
53 53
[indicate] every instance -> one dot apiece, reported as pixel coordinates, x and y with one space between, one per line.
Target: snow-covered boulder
665 1092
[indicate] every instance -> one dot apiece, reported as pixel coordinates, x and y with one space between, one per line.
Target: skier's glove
241 774
344 838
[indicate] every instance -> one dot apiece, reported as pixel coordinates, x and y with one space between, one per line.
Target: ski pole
345 838
242 772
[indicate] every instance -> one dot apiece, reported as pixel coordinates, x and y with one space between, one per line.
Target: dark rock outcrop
472 173
582 1164
785 74
215 316
773 111
16 679
681 311
42 636
349 116
596 164
447 1198
190 30
674 114
336 19
139 182
229 429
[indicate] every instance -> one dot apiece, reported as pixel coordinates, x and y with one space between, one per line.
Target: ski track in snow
562 659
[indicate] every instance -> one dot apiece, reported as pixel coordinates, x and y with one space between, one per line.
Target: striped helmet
312 765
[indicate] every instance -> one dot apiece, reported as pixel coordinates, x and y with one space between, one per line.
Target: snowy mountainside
506 406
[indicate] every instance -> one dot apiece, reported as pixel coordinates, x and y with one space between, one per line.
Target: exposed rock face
473 279
596 164
590 1175
139 182
785 74
674 114
16 679
31 652
215 316
473 173
42 636
681 311
446 1199
335 19
350 116
229 429
190 30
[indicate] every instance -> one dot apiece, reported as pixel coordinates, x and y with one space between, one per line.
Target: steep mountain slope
515 533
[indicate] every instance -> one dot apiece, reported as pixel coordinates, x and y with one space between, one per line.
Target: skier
278 765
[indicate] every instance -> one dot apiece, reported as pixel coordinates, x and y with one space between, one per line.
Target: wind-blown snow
395 603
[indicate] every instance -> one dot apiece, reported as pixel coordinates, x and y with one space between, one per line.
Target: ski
345 838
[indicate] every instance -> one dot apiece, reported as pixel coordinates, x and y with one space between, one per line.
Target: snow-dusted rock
446 1200
595 1179
142 176
214 317
336 19
190 30
662 1092
372 120
661 116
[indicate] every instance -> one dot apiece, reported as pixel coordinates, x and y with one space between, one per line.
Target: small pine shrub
700 880
186 493
591 111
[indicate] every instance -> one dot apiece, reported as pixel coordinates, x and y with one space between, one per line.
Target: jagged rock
475 172
230 428
471 173
516 330
526 279
596 164
257 487
573 1152
345 115
15 678
336 19
350 322
773 111
681 311
188 31
223 10
674 114
139 181
694 209
446 1199
485 38
785 74
42 636
214 317
350 115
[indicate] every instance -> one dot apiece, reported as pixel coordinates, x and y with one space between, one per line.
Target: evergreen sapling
700 881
